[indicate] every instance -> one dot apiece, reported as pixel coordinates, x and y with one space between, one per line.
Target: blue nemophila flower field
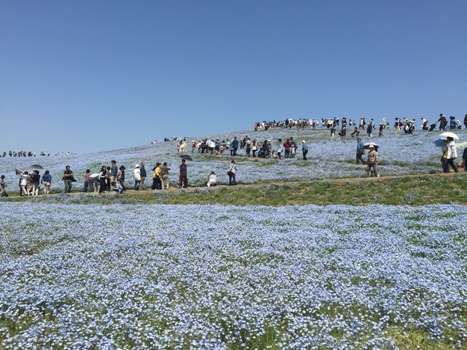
131 276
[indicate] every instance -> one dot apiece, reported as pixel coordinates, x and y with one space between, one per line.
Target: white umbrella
447 134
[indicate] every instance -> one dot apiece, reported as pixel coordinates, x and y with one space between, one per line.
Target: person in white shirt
212 179
232 172
450 155
137 176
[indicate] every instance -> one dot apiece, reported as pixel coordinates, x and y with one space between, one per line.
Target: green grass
402 190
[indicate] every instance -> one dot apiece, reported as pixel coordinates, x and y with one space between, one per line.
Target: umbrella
447 134
369 144
440 142
36 167
186 157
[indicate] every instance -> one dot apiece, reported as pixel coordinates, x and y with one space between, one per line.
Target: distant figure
157 177
3 187
143 175
183 177
103 179
46 182
234 147
87 180
371 162
165 176
68 179
35 178
121 179
304 149
232 172
450 155
464 158
360 151
212 179
137 176
113 174
443 122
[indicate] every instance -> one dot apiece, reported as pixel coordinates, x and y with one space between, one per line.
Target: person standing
36 180
137 176
121 179
232 172
3 187
234 147
183 177
103 174
304 149
46 182
143 175
360 152
464 158
157 177
113 173
165 176
68 179
372 162
87 180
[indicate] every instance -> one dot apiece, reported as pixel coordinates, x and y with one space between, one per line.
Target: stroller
432 127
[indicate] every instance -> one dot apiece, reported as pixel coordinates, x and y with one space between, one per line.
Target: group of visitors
29 154
405 124
449 156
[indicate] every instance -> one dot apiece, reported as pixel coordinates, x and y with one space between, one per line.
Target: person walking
232 172
68 179
183 177
46 182
372 162
304 149
451 155
137 176
3 187
165 176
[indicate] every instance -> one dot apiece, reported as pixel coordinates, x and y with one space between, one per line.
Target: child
212 179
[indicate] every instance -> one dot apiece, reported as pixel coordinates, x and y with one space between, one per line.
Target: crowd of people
405 124
112 178
30 154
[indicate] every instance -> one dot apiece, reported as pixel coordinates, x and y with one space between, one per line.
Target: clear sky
97 75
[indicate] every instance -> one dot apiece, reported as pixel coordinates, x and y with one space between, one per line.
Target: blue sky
96 75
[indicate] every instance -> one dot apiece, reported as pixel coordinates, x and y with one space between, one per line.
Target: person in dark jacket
68 179
46 182
142 174
183 178
464 158
304 150
360 152
103 179
234 147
